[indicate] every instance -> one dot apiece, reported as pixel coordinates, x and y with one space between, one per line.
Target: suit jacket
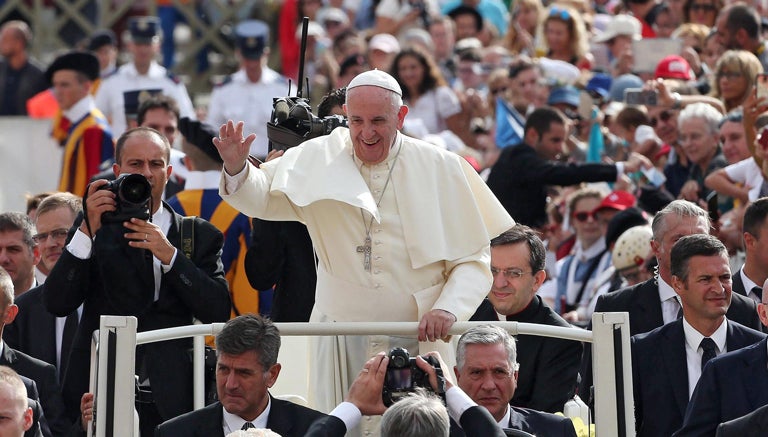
476 422
534 422
46 380
520 177
730 386
643 304
549 367
281 254
753 424
737 285
660 375
33 332
285 418
118 279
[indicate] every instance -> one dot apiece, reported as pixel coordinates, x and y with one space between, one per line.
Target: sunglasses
702 7
663 116
561 13
583 216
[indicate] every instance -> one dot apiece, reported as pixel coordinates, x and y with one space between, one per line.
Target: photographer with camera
408 417
126 257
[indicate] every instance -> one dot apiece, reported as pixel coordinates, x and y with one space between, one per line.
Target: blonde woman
526 16
565 36
734 77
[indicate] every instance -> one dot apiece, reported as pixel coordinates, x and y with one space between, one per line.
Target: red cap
618 200
674 67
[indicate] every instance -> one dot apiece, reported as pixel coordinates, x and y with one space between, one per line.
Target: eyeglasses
702 7
509 273
663 116
57 234
585 215
730 75
563 14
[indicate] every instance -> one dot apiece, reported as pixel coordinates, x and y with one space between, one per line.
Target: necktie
67 337
247 426
709 347
758 291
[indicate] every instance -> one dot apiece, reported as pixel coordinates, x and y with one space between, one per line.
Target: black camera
404 376
292 123
133 195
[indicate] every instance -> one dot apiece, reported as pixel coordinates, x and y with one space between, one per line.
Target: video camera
404 376
292 121
133 195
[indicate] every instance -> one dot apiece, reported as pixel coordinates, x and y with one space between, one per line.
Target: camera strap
187 236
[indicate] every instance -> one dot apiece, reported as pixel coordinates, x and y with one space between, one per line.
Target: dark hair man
667 362
21 77
18 251
137 268
738 28
548 366
522 172
246 367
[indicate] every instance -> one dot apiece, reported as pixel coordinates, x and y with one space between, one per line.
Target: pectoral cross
365 249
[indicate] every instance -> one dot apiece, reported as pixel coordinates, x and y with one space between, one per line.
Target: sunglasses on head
663 116
561 13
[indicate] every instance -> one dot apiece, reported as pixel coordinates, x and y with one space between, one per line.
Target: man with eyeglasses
35 331
548 366
18 251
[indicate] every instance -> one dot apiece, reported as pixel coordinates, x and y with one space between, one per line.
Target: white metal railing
612 374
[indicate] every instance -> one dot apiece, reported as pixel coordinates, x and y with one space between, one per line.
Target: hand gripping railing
115 359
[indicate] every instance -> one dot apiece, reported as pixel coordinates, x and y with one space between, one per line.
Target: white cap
621 24
384 42
376 78
632 248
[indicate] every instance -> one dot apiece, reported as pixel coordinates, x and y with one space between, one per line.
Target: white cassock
430 240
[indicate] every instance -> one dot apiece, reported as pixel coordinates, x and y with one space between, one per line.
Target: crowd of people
528 161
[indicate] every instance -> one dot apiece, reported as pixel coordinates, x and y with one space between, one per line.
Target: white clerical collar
233 422
694 337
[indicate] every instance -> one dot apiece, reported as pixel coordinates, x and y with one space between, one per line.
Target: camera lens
135 189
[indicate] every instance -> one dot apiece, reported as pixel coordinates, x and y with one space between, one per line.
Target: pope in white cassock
401 228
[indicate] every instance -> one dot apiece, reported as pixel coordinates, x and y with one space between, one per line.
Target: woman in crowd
426 93
526 15
565 37
734 77
701 11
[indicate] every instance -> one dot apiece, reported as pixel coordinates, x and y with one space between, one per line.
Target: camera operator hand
149 236
232 147
97 202
365 392
429 370
435 325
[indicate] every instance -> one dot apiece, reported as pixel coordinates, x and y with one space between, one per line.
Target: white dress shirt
670 301
693 352
232 422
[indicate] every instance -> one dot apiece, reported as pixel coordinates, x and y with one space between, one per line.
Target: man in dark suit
487 370
731 386
43 374
35 331
653 303
117 263
667 362
20 76
549 367
246 368
753 424
422 416
748 281
520 177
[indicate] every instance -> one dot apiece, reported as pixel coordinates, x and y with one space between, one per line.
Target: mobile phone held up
639 96
761 82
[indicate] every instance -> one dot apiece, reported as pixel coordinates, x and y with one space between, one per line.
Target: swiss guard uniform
88 139
111 95
201 198
237 98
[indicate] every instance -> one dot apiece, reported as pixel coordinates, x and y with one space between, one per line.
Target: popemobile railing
113 363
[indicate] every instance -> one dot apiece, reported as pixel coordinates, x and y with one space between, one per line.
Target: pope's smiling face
374 119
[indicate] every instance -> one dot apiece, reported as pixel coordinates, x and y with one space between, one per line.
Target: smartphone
639 96
761 82
585 105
